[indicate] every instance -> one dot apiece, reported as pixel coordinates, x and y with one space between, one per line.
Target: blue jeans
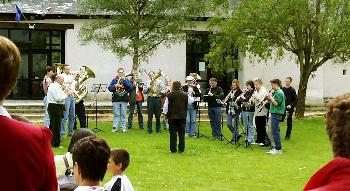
191 120
232 121
248 118
215 120
275 125
139 114
46 117
69 114
119 114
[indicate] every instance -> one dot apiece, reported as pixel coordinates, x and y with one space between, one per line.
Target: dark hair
9 66
79 134
53 77
120 156
250 83
276 81
92 156
289 78
48 69
176 85
338 125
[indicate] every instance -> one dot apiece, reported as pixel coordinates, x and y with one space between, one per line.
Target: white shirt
190 95
3 112
89 188
166 105
46 83
260 109
69 81
125 183
55 94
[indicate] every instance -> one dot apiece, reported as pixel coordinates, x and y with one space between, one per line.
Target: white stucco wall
172 61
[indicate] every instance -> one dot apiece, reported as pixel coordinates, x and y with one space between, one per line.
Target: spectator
26 155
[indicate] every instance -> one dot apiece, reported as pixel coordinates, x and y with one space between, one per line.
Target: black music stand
97 88
199 120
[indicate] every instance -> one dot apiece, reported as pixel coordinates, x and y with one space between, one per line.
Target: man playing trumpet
119 87
135 99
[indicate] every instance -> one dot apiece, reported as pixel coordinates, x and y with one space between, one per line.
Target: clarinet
265 101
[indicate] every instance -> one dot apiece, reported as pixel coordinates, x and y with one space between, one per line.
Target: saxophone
154 90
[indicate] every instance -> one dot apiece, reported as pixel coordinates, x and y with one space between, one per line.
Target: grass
214 165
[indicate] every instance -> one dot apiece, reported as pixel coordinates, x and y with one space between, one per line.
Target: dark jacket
291 97
237 109
119 96
177 108
218 93
196 94
246 105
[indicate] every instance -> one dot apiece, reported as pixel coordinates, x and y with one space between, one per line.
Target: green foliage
137 27
214 165
314 31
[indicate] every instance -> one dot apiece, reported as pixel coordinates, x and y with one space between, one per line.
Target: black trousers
80 113
260 122
55 113
289 116
154 106
177 128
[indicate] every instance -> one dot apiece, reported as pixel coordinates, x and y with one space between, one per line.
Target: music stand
199 120
97 88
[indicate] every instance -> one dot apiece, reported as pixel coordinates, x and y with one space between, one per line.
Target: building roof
62 7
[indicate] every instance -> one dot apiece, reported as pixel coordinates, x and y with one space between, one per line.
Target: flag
18 13
43 12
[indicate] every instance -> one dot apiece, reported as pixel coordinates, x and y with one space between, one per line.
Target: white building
55 40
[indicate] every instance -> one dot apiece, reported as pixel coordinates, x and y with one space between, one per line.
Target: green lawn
214 165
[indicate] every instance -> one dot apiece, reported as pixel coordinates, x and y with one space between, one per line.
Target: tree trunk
135 58
300 108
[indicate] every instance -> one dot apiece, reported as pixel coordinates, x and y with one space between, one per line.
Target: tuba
153 89
84 74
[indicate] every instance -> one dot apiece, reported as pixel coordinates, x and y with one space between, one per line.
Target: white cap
189 78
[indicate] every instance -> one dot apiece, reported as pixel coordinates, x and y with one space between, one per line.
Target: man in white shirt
46 83
69 112
56 97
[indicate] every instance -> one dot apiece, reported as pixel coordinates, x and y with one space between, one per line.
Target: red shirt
333 176
26 160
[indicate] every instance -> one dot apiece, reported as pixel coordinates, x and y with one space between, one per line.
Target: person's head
79 134
120 72
57 78
288 81
257 83
338 125
90 158
249 85
213 82
275 84
49 71
176 85
66 69
118 161
190 80
151 74
235 85
9 66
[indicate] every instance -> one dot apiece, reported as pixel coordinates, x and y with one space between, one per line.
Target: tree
315 31
137 27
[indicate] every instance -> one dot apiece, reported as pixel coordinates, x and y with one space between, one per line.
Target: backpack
67 182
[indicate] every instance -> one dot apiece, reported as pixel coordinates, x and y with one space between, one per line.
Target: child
90 157
117 163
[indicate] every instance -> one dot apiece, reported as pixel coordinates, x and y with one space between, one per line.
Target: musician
69 113
56 97
26 157
260 113
46 83
135 99
168 87
248 110
175 110
277 109
119 86
233 110
80 111
193 93
291 102
195 78
154 88
214 108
